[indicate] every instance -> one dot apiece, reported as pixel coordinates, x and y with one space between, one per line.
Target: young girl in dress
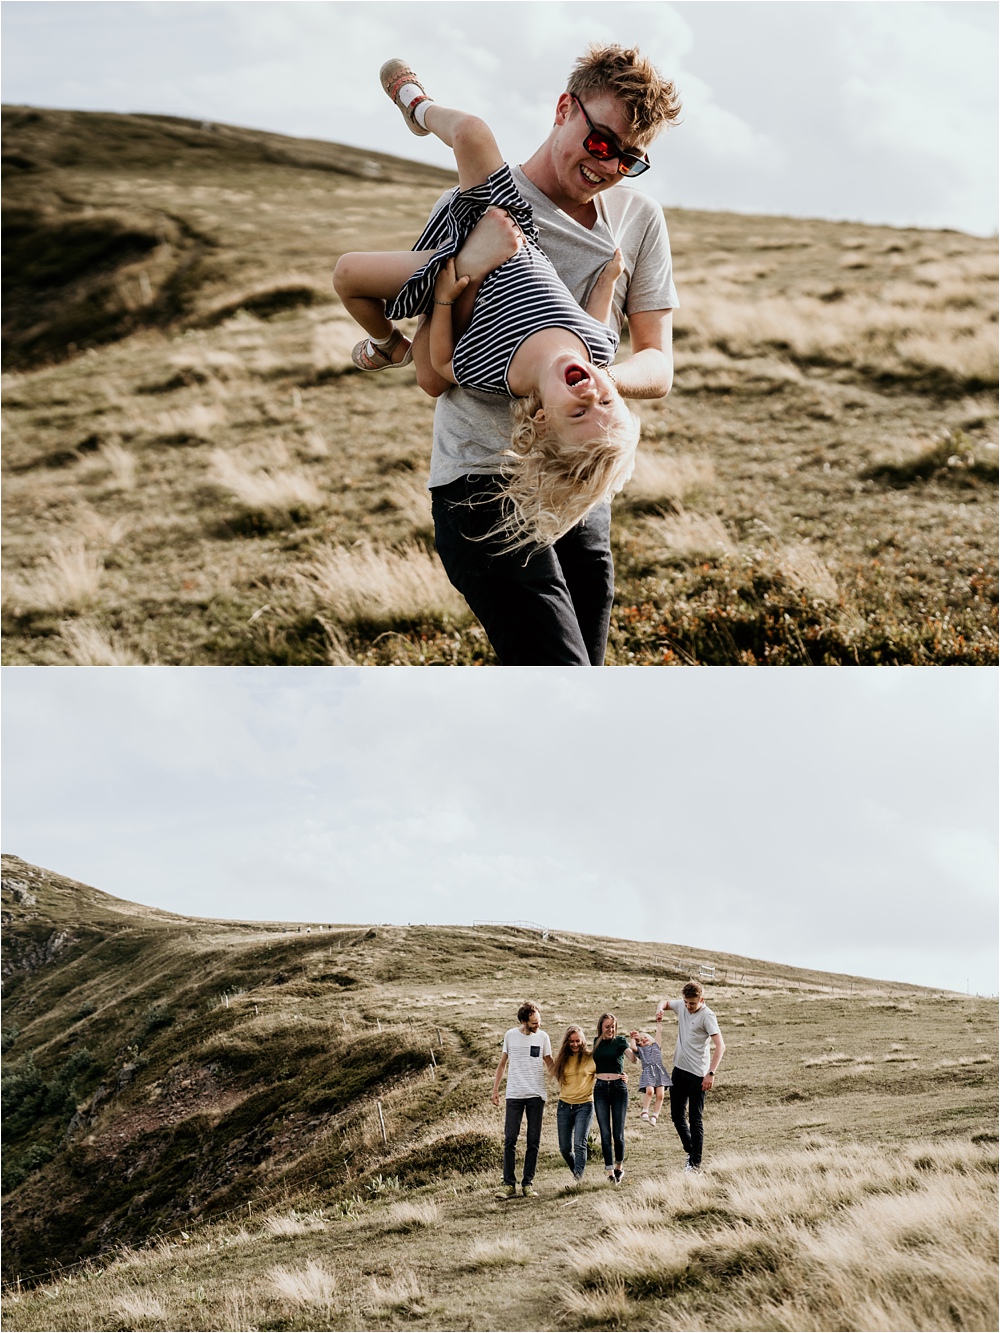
573 439
654 1079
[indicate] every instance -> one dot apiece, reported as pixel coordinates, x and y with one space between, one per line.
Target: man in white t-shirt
527 1053
554 609
697 1057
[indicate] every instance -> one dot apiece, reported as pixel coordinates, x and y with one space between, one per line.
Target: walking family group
594 1082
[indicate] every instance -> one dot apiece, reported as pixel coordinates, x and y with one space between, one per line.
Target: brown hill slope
219 485
162 1069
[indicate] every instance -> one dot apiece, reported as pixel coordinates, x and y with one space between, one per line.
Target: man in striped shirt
555 608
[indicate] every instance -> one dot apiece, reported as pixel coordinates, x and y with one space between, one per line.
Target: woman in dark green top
611 1092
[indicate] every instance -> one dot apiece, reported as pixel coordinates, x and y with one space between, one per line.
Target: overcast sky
870 111
842 819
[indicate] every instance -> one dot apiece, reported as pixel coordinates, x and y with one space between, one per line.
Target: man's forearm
645 374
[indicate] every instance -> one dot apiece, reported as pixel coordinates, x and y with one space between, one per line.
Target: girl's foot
652 1119
644 1115
611 1178
393 351
406 90
619 1174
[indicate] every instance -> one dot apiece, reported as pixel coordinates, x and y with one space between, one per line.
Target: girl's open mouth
576 375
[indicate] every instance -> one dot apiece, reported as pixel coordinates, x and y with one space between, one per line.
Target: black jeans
687 1101
611 1108
534 1109
549 608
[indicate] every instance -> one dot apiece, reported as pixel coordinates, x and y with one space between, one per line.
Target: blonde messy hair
550 484
649 100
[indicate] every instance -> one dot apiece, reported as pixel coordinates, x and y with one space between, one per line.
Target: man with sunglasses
555 607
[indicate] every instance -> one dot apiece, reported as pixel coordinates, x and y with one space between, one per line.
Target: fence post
381 1121
440 1042
379 1022
433 1061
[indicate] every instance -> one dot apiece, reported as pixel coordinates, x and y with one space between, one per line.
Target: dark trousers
611 1108
548 608
687 1101
533 1108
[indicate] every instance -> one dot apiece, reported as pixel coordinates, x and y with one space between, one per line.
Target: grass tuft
371 585
311 1285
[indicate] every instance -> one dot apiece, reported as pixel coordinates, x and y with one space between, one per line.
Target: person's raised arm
495 1095
661 1008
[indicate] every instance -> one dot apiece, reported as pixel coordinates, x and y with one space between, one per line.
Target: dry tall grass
311 1285
865 1240
261 489
373 585
661 478
688 536
90 645
67 579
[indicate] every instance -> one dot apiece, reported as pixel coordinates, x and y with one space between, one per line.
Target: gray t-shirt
694 1032
472 429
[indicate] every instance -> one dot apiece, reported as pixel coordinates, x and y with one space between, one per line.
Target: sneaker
396 74
508 1192
528 1192
577 1177
692 1169
619 1174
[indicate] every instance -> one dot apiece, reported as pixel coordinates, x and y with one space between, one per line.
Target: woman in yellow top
574 1071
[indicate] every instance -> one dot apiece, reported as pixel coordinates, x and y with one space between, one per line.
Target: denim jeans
552 608
611 1107
573 1123
533 1108
687 1100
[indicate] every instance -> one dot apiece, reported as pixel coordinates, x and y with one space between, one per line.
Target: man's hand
708 1082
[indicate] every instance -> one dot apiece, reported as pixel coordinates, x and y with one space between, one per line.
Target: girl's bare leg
364 282
647 1097
476 153
659 1101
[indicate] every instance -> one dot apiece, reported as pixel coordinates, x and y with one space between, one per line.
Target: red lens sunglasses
604 148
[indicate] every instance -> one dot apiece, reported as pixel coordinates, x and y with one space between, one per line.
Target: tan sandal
396 74
370 355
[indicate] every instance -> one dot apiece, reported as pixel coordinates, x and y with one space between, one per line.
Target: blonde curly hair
551 484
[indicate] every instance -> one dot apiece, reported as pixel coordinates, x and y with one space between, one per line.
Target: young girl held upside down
523 335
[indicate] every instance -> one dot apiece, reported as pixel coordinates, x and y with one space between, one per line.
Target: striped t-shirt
521 297
526 1054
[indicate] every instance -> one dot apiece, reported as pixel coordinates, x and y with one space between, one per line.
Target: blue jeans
573 1123
611 1107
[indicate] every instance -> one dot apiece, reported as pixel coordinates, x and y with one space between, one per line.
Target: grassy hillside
194 1105
195 474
